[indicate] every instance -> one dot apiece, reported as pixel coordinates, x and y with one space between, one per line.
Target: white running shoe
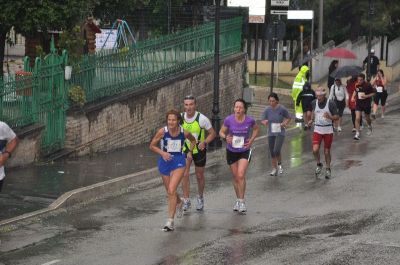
242 207
273 172
339 129
200 203
186 204
236 206
357 136
280 169
169 226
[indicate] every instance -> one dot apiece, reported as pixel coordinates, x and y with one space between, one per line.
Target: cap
320 91
372 51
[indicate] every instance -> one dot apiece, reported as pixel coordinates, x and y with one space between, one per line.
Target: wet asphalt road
296 218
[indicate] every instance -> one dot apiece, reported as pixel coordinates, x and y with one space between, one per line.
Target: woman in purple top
239 131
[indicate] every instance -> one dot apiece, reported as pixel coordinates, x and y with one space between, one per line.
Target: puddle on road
393 168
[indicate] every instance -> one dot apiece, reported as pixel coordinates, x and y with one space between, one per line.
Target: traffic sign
279 7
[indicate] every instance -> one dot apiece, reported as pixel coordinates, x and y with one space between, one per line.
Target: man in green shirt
200 127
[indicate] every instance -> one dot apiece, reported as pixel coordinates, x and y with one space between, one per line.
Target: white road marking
52 262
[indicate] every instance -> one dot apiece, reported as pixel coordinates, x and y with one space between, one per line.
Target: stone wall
133 117
28 149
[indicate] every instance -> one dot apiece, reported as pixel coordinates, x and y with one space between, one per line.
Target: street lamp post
215 120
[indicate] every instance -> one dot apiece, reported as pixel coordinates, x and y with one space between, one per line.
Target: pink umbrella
340 53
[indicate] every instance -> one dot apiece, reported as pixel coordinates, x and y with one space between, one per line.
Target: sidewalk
48 186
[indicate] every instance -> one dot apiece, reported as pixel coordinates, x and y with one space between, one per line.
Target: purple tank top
240 132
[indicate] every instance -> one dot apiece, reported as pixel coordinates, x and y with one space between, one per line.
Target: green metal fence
39 94
111 72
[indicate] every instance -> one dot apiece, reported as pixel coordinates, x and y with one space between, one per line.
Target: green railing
38 95
111 72
16 104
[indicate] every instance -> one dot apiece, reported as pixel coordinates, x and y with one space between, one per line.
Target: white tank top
322 125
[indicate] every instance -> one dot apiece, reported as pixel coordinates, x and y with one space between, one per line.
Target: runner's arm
155 141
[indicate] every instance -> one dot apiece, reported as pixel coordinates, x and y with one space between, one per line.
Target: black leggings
353 118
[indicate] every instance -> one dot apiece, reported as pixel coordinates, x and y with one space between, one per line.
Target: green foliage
77 96
72 41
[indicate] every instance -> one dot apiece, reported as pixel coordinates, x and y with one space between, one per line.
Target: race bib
237 141
379 89
174 146
276 127
361 95
320 119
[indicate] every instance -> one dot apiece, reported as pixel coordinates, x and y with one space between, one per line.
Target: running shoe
179 209
242 207
273 172
280 169
369 132
186 204
169 226
354 130
236 206
200 203
328 173
339 129
318 169
305 127
357 136
383 116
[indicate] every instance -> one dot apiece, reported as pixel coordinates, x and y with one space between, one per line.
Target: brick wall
133 117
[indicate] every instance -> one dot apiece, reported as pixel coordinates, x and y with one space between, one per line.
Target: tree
29 17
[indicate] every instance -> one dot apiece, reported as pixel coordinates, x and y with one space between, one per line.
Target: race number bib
320 119
276 127
237 141
379 89
174 146
361 95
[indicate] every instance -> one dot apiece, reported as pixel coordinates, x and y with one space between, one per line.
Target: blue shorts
166 167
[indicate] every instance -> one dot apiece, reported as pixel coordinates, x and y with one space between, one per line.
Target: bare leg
186 179
171 184
201 182
327 153
316 153
241 177
234 169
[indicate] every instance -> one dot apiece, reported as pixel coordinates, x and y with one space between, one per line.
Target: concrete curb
120 184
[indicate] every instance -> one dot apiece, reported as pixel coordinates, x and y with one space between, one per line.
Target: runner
197 124
305 98
351 87
276 118
236 131
324 113
362 96
8 143
339 95
379 83
172 162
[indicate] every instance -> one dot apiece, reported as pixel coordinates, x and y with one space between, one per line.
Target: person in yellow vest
299 81
200 127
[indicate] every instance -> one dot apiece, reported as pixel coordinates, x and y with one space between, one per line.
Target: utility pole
370 16
321 23
216 120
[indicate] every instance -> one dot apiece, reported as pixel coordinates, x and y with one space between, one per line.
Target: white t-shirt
6 135
204 122
339 91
